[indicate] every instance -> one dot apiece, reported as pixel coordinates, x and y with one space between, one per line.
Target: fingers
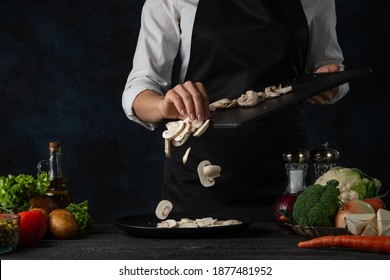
329 68
326 96
190 100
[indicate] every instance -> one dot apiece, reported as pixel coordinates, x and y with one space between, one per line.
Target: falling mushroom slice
163 209
185 157
167 148
207 172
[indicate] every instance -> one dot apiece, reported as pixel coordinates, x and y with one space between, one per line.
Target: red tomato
376 203
33 226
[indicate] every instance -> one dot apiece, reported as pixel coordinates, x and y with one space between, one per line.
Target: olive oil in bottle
57 189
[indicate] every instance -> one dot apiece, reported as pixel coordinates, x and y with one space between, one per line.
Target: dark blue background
63 67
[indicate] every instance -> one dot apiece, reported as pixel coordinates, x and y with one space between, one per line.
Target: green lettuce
83 218
16 190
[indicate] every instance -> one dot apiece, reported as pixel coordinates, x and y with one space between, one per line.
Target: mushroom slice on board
163 209
250 98
283 90
207 172
221 104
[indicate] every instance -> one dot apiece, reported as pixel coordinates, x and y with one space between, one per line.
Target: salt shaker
296 167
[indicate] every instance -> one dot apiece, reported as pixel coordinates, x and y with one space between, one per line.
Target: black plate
145 225
303 87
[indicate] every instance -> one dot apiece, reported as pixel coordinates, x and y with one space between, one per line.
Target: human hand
186 100
328 95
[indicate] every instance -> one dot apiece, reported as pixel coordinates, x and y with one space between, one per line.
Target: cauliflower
353 183
317 205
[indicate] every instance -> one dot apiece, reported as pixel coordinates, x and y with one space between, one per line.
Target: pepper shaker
324 158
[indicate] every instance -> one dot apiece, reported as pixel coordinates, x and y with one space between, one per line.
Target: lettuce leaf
16 190
83 218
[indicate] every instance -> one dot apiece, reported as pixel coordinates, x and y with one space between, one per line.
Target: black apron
240 45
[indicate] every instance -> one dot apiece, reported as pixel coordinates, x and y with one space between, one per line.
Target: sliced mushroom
283 90
167 148
201 129
183 133
205 222
195 124
163 209
188 225
270 92
222 104
185 157
207 172
173 129
182 141
231 222
167 224
250 98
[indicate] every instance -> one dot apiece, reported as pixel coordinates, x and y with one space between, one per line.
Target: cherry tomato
33 226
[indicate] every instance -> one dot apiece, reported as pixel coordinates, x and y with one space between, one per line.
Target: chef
226 47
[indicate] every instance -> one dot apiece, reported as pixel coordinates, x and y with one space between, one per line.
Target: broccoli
317 205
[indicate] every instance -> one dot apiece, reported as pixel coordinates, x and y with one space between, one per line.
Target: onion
285 203
352 207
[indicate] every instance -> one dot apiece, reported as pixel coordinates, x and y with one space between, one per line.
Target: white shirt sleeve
323 44
157 46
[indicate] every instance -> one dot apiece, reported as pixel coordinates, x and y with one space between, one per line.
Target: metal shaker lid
324 154
296 155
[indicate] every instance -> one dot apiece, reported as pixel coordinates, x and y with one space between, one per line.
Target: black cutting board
303 88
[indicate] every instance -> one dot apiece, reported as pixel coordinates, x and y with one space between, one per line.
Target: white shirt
166 29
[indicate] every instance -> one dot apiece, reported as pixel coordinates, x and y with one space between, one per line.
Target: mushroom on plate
167 224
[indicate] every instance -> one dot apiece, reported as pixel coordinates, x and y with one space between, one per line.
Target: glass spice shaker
324 158
296 168
57 189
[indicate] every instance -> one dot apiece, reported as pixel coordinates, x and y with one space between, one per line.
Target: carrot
378 244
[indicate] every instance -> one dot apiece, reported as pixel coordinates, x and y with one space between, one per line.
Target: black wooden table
259 241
